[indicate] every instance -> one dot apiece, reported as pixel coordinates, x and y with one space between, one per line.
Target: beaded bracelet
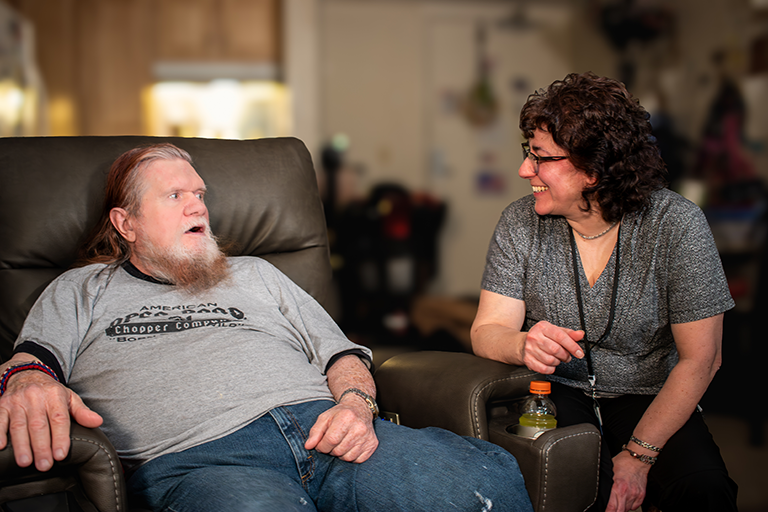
12 370
645 445
645 459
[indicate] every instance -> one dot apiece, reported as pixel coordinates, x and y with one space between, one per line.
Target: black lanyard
587 346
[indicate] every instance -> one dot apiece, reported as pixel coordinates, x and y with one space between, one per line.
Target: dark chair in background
387 251
263 198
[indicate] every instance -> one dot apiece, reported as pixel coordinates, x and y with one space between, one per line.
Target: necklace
585 237
588 346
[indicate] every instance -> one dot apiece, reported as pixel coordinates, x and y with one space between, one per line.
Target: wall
393 75
377 70
371 85
300 67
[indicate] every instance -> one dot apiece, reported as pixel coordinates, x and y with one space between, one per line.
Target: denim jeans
264 467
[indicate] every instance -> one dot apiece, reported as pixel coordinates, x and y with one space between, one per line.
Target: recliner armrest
476 397
97 474
560 466
448 389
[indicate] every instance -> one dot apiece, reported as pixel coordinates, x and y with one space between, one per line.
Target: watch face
373 406
370 402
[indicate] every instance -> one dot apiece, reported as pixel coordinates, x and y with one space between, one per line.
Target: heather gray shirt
670 272
168 370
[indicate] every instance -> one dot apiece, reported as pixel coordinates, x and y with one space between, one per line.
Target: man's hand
345 431
547 345
630 478
35 410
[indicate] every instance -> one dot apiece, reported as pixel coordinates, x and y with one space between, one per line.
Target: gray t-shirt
670 272
168 370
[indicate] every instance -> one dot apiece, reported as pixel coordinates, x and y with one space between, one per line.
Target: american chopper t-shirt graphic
156 320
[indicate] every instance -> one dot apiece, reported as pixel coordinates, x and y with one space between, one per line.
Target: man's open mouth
196 229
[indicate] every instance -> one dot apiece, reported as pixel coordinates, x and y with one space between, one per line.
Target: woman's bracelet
13 370
645 459
647 446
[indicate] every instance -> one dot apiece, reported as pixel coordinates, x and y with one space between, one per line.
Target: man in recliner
221 383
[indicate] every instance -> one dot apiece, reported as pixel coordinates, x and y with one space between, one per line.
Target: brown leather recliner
263 197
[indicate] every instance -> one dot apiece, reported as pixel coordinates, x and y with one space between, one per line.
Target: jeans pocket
296 436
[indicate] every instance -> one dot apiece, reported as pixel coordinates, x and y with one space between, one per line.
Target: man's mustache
198 226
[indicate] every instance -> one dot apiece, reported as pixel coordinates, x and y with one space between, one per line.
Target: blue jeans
264 467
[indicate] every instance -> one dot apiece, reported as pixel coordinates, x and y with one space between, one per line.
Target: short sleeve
60 318
698 288
507 253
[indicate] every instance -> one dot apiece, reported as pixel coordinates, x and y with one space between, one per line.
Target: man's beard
193 270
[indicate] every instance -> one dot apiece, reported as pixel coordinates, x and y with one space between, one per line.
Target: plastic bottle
538 411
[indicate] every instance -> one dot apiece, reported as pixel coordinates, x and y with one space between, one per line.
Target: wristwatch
369 400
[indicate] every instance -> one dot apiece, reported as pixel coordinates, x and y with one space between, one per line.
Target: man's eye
174 195
200 196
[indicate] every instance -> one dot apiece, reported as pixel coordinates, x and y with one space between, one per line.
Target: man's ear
123 223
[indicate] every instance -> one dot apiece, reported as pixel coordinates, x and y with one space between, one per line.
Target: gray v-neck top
670 273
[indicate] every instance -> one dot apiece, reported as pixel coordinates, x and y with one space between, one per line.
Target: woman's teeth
539 189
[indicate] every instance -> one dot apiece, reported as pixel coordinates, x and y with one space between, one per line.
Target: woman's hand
630 478
496 334
547 345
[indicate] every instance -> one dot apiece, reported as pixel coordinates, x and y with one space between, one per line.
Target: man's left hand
344 431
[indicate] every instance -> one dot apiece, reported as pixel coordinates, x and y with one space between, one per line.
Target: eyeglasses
536 159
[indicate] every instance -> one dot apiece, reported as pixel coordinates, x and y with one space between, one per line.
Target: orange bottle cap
541 387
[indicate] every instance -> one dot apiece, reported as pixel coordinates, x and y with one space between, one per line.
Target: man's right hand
35 410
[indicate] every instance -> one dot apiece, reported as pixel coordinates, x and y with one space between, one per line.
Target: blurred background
410 110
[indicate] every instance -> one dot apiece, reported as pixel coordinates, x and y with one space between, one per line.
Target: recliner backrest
262 196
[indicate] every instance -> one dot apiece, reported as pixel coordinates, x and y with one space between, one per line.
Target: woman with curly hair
611 285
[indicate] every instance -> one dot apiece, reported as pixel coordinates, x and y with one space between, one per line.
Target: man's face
173 216
170 237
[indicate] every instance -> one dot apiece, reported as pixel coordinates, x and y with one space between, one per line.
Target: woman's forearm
683 389
497 342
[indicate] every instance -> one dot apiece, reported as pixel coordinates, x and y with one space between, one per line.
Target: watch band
369 400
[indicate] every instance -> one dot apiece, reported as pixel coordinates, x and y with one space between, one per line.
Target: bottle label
541 421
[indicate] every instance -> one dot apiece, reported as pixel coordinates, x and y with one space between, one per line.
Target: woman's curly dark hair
606 133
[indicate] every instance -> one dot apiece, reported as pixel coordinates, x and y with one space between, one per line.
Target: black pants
689 474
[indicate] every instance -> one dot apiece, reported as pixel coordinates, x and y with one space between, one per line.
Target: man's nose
195 206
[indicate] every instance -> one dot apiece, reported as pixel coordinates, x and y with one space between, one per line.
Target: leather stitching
115 480
476 399
546 461
599 451
479 434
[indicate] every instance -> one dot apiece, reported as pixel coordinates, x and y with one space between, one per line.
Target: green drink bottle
538 411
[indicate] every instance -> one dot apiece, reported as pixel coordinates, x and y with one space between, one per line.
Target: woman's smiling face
558 185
